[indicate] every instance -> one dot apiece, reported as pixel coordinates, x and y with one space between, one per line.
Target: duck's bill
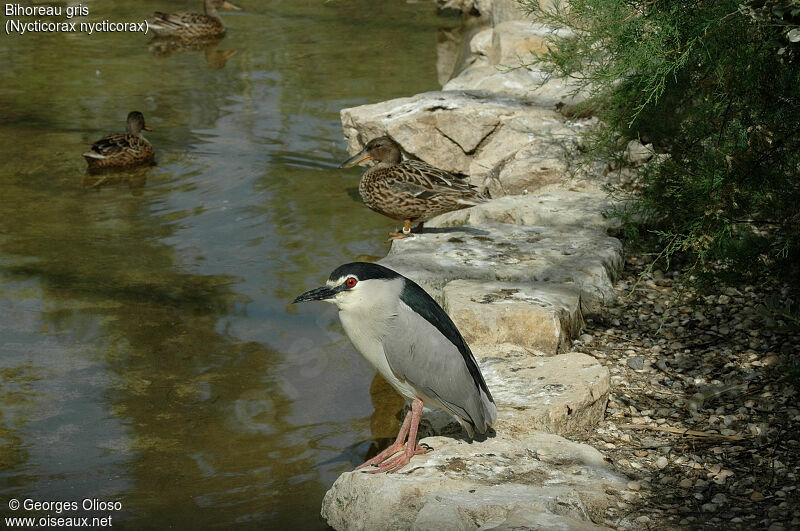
228 5
146 127
358 158
318 294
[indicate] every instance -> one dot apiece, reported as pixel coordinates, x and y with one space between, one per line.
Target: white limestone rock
542 316
468 133
475 134
587 259
502 63
534 393
481 44
444 129
517 475
637 153
532 149
504 10
539 481
553 208
524 83
514 41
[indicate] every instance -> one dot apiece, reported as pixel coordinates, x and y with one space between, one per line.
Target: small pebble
636 363
719 499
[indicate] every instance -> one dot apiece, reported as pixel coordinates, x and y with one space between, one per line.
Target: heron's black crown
364 271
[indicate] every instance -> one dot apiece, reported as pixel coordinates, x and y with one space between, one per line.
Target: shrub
715 85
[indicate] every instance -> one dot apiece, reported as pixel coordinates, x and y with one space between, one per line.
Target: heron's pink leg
411 448
399 444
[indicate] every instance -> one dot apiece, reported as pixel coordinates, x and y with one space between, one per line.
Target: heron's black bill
361 156
318 294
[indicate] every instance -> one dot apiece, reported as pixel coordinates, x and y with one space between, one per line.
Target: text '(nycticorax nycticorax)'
415 346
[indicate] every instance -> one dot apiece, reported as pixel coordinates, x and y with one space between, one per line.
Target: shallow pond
148 351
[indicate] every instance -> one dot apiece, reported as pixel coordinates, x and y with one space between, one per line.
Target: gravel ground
701 417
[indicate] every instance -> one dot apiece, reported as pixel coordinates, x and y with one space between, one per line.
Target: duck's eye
351 282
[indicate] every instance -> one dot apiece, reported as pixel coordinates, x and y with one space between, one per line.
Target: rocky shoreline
518 275
521 276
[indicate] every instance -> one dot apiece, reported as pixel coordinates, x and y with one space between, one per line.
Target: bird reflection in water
216 59
135 179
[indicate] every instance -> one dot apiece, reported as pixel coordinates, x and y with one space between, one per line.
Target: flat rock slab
554 394
502 63
534 393
587 259
540 481
517 476
561 207
538 315
461 132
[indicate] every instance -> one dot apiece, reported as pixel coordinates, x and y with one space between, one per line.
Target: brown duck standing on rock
122 150
192 26
409 190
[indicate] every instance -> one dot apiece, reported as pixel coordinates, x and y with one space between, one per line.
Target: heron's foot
396 463
383 456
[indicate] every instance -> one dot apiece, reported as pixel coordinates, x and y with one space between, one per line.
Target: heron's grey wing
418 352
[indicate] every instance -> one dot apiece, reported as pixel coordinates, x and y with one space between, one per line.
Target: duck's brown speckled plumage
409 190
191 26
120 150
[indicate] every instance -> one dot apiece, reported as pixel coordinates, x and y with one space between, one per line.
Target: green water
148 353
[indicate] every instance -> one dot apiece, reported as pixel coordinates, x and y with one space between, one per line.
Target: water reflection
148 354
134 179
215 58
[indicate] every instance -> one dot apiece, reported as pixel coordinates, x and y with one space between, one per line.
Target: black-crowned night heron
409 190
415 346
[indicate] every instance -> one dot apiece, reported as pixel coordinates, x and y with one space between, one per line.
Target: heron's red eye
350 282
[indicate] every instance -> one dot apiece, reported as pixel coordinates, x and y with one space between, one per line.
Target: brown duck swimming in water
120 150
191 26
409 190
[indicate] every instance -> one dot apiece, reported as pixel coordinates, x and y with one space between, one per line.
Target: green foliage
713 85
